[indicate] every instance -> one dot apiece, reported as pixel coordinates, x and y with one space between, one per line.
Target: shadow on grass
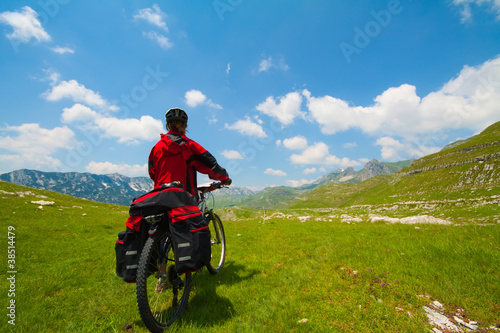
207 308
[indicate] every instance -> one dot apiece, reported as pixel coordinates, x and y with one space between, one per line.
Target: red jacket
177 158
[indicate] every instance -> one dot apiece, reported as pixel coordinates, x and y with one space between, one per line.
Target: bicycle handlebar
204 188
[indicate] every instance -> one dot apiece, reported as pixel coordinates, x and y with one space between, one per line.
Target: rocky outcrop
372 169
480 159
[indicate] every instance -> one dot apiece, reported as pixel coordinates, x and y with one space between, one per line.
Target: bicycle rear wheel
218 240
162 295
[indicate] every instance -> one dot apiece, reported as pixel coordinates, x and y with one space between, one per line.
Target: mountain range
462 174
119 189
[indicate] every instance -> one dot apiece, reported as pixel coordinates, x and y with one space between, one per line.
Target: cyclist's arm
206 163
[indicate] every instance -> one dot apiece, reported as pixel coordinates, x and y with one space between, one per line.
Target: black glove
227 181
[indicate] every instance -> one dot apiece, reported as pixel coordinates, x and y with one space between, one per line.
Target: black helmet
176 114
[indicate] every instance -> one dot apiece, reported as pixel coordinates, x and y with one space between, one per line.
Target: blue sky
280 92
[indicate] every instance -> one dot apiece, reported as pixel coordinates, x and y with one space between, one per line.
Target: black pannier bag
190 233
128 248
161 200
191 238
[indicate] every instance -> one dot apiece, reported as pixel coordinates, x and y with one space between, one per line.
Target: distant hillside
371 169
112 188
229 196
273 197
465 170
455 143
283 196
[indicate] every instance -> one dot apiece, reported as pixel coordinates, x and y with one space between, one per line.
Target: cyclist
175 157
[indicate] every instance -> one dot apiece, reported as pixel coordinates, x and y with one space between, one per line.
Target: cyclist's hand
227 182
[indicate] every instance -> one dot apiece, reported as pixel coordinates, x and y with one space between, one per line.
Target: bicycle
162 294
218 238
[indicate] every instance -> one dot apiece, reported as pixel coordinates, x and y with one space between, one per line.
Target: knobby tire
218 240
158 305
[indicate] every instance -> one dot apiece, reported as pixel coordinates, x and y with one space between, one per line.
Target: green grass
467 181
482 144
361 277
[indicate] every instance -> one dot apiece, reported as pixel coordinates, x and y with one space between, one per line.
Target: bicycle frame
203 192
216 228
157 222
203 206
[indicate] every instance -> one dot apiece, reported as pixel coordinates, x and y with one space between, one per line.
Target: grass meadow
279 276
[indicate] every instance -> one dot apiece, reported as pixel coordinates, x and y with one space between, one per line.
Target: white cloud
62 50
213 120
232 155
128 130
29 161
394 150
297 183
393 109
123 169
285 110
159 39
32 146
154 16
51 75
466 11
214 105
131 130
316 154
196 98
228 68
269 63
32 139
25 24
349 145
77 93
273 172
309 170
319 154
296 143
247 127
265 64
390 147
469 101
79 113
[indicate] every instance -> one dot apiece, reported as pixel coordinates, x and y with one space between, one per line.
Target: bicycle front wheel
162 295
218 241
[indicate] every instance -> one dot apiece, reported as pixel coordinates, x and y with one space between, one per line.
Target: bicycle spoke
217 242
160 301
